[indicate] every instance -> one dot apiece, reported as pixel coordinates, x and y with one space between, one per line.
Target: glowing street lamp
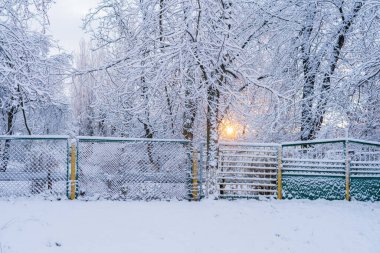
229 130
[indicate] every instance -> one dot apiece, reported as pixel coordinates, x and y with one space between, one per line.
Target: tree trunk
310 68
189 116
314 108
7 144
212 136
326 83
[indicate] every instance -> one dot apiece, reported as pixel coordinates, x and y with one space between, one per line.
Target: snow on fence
33 165
364 170
314 170
327 169
331 169
247 170
119 168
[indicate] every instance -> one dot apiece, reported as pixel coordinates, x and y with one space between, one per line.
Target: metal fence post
68 157
279 174
347 170
195 175
200 176
73 173
201 171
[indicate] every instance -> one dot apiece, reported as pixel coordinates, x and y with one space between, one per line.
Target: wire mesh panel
134 169
365 170
203 173
314 170
247 170
33 166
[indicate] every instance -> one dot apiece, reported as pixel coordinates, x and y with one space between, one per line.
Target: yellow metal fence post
195 175
279 174
73 172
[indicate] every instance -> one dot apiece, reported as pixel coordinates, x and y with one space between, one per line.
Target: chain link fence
146 169
137 169
31 166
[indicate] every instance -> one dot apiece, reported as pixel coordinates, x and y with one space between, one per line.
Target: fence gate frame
248 170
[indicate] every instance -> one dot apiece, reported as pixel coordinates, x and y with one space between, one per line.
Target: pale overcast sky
66 20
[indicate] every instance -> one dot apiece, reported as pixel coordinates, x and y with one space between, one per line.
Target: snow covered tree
29 76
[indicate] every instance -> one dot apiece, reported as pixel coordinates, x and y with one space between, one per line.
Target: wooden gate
247 170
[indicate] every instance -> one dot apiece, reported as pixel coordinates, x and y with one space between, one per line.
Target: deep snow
28 226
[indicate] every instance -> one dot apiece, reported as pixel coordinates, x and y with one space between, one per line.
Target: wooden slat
312 160
245 196
314 170
366 171
249 150
248 167
364 167
365 176
247 173
251 162
247 178
251 184
312 165
248 190
248 156
313 174
364 162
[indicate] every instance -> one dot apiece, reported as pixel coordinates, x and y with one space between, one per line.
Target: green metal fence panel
365 189
313 187
33 166
137 169
318 169
364 170
313 170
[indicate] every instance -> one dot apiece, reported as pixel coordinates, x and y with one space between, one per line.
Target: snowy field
209 226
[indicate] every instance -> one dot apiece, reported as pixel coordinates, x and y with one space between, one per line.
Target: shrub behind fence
116 168
33 166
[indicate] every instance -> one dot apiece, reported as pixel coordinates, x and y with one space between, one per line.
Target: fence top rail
249 144
121 139
327 141
312 160
34 137
372 143
323 141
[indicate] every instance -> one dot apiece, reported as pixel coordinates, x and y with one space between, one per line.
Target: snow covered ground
28 226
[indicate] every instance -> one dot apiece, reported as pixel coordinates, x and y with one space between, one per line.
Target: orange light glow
230 129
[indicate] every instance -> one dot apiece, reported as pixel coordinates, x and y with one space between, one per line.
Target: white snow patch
207 226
